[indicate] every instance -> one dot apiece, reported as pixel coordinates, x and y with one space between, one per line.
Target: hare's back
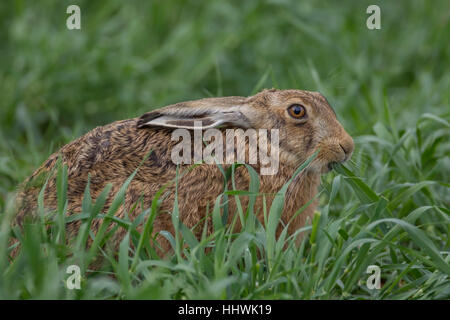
107 154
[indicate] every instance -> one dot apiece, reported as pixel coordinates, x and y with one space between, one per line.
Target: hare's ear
190 117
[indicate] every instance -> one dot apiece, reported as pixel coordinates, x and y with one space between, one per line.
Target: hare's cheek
308 142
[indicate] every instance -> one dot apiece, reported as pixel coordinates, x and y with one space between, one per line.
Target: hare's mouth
331 165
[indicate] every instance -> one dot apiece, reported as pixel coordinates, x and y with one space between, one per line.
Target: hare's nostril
345 151
347 146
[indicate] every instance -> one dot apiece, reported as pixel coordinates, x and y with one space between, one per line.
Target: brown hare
305 123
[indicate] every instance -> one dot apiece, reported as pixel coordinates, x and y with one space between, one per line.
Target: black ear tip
140 124
147 117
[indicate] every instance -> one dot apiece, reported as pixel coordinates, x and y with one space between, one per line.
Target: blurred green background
130 57
389 87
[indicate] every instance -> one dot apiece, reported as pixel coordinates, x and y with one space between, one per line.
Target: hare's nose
347 146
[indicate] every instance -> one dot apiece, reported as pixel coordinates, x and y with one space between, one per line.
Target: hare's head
304 119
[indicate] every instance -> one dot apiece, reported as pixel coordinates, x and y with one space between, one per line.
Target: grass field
390 88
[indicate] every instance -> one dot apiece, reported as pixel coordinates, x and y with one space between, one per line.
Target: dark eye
297 111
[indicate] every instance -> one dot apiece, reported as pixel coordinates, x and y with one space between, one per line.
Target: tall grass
385 228
388 207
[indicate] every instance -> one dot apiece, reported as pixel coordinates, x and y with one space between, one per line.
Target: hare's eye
297 111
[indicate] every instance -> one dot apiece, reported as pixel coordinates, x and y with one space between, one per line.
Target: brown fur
111 153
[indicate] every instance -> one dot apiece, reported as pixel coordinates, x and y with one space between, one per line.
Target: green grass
388 207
